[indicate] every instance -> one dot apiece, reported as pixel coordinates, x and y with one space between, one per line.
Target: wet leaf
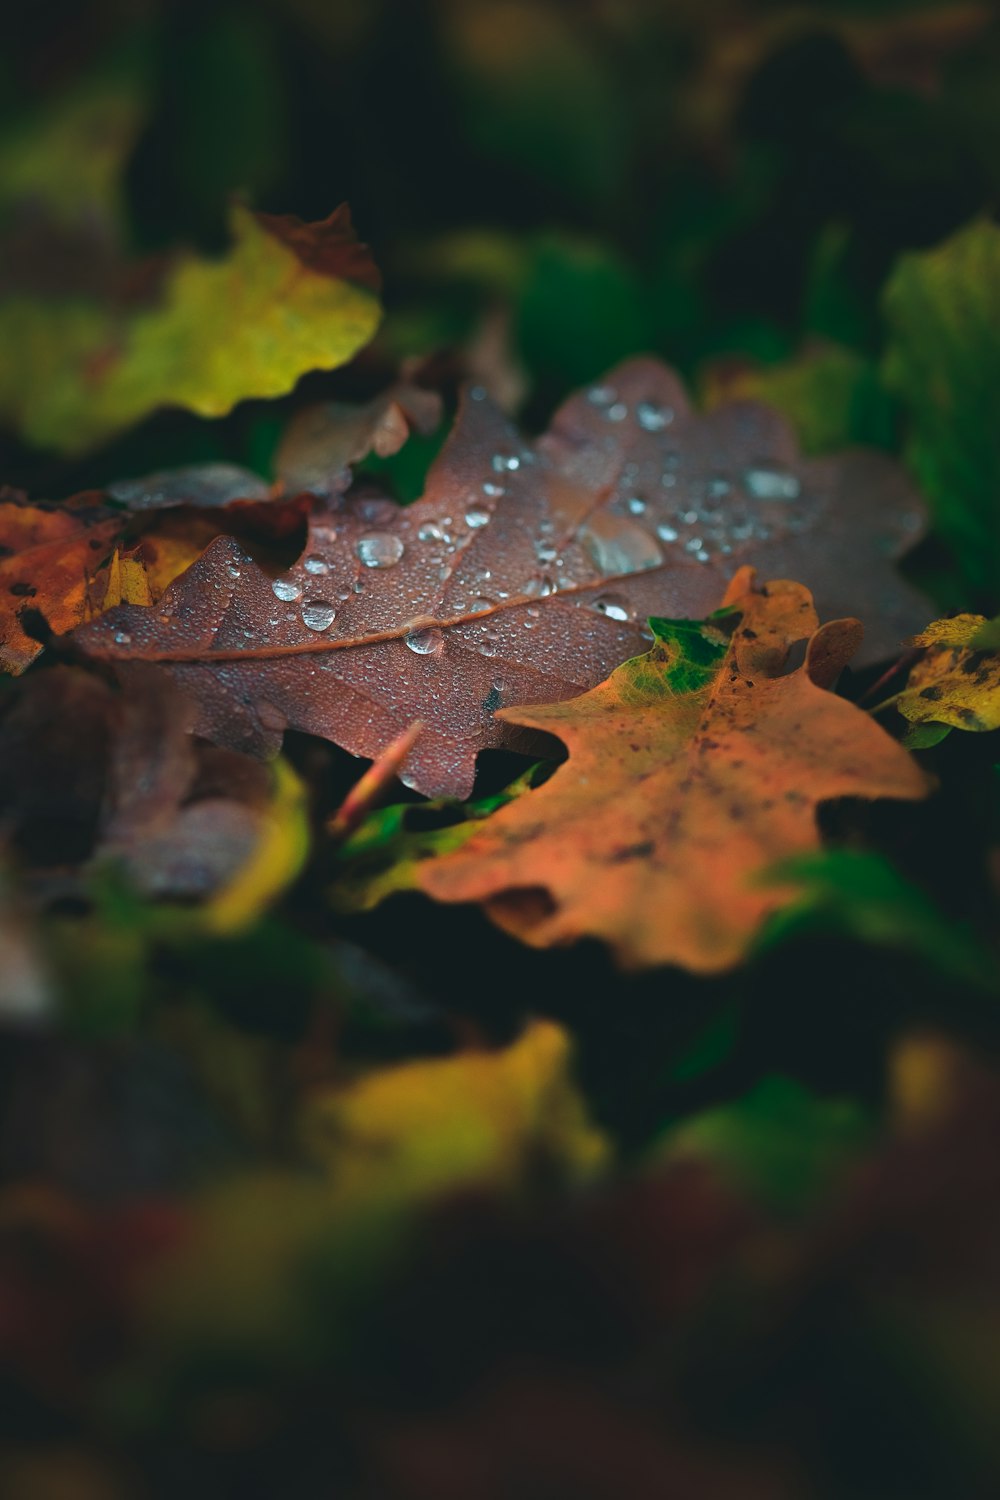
288 297
524 574
957 680
690 772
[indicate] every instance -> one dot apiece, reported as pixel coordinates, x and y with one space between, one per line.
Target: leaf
60 559
421 1128
691 771
829 394
93 777
288 297
524 574
49 559
860 895
943 361
783 1144
322 441
957 680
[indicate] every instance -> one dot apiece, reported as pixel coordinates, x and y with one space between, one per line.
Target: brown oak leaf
691 771
524 574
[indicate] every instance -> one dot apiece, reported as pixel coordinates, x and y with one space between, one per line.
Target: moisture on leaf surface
524 574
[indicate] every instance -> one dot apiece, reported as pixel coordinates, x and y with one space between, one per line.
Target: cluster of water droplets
702 516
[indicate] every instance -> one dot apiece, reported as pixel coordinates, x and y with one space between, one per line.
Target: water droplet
539 588
493 489
317 614
636 505
477 518
233 571
624 549
718 487
316 564
122 638
601 395
653 418
666 533
693 544
611 605
502 461
426 642
545 552
488 646
533 611
379 549
617 413
477 393
772 484
285 589
429 532
376 510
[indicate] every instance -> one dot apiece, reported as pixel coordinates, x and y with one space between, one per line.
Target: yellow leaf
483 1118
289 297
956 682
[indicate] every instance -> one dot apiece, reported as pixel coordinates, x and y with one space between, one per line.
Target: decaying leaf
323 441
64 559
288 298
50 559
957 680
92 776
524 574
691 771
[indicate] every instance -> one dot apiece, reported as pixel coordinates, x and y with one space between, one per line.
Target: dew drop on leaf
286 590
379 549
425 642
653 418
611 605
318 614
771 484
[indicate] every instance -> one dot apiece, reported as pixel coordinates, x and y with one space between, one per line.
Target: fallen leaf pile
500 751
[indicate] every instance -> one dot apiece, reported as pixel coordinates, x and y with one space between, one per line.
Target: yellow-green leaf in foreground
260 1245
288 297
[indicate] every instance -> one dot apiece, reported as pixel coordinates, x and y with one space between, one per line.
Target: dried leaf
50 559
691 771
61 558
323 441
524 574
289 297
957 681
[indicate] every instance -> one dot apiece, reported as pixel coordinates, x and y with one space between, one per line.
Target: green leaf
943 361
289 297
831 395
778 1142
860 895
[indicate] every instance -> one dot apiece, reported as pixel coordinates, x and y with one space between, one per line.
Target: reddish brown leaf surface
692 771
523 575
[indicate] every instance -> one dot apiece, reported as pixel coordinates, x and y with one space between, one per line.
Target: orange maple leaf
691 771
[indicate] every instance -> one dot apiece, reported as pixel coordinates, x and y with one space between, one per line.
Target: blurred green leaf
942 307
